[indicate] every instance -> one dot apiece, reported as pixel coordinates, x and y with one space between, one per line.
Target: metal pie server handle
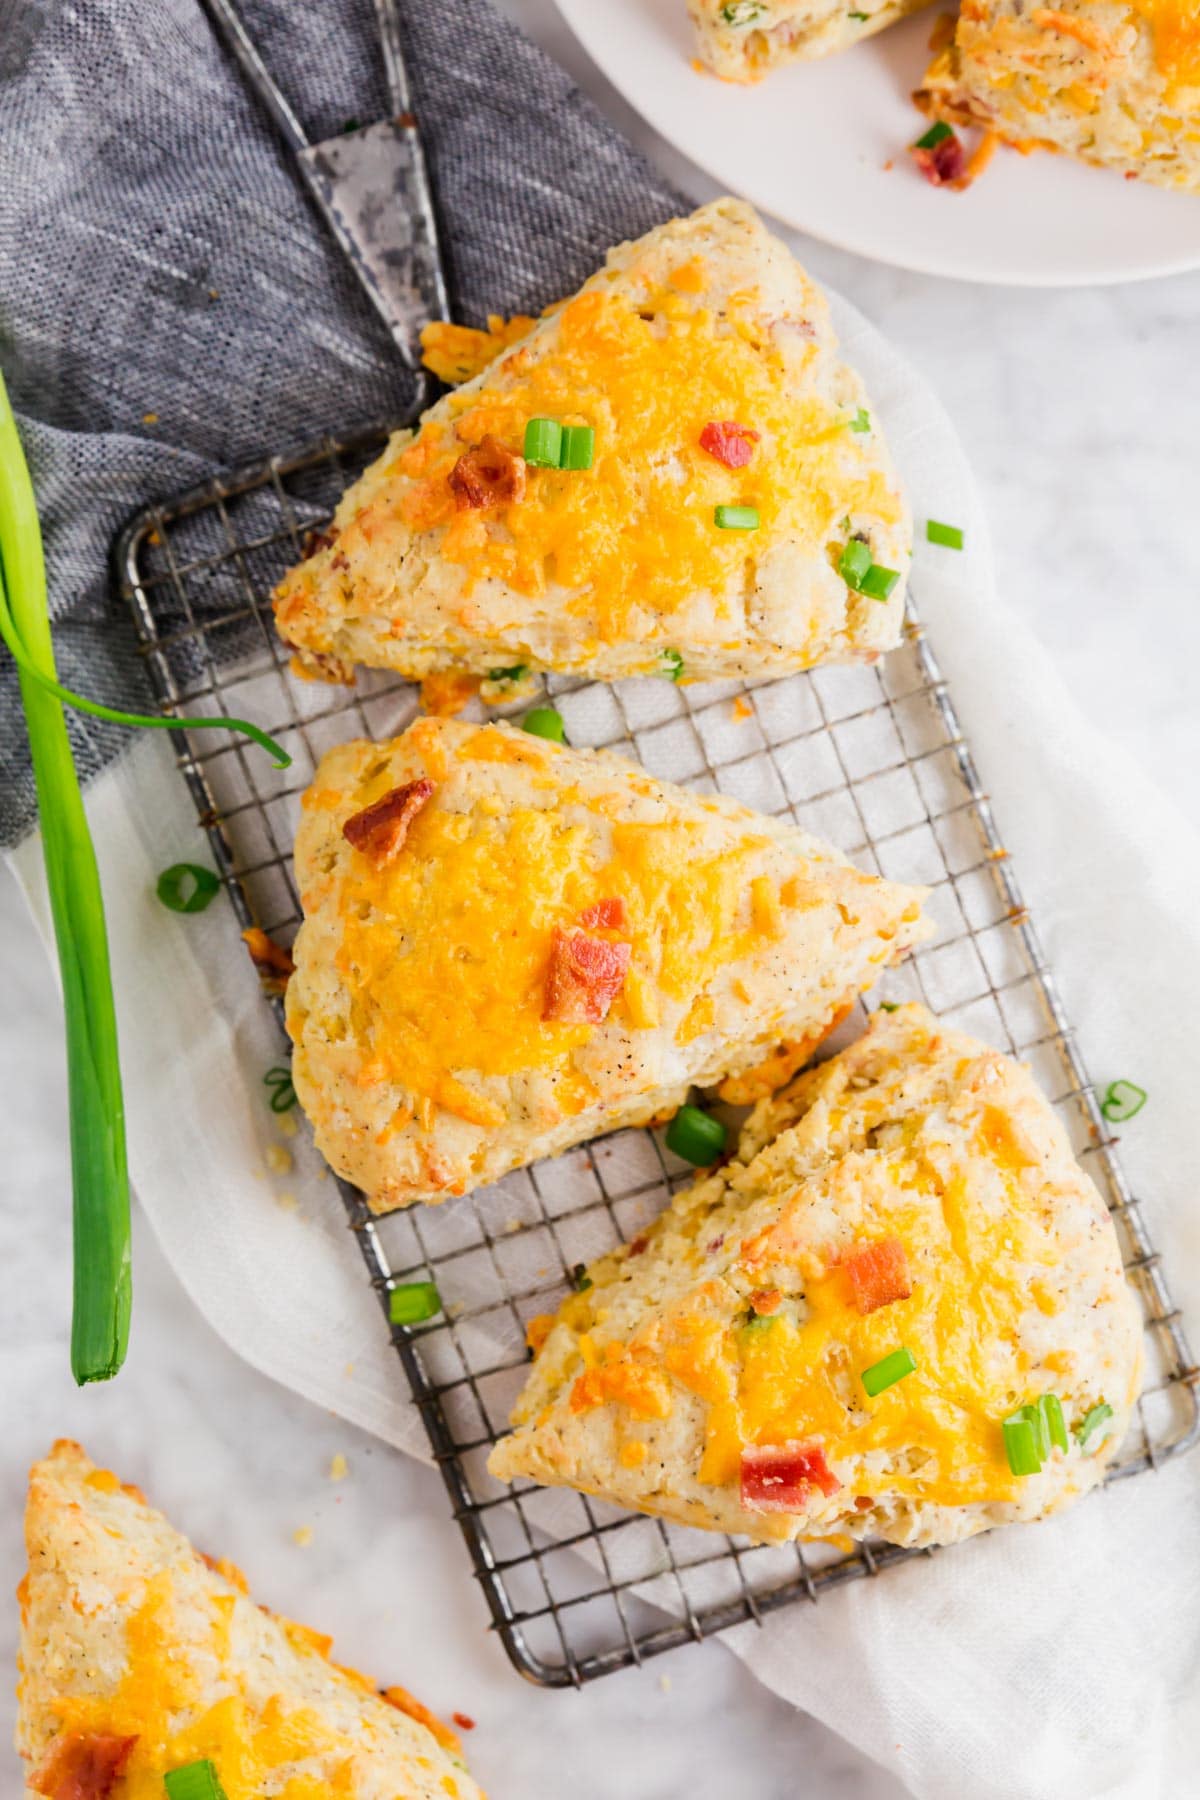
371 185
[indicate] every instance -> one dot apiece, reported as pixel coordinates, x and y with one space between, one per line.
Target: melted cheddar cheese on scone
743 40
510 946
900 1313
702 363
1114 83
139 1657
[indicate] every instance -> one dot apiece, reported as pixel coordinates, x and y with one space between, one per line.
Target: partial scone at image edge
1111 83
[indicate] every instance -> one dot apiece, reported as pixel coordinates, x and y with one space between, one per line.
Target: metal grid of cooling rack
873 759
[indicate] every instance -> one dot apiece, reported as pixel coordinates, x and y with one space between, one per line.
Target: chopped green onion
194 1781
1051 1410
100 1319
755 1321
186 887
888 1371
1091 1423
513 674
736 518
1020 1444
860 16
672 664
878 582
889 1005
949 536
544 722
854 563
1040 1428
413 1303
742 12
862 418
282 1092
936 135
578 447
696 1136
581 1281
1123 1100
543 443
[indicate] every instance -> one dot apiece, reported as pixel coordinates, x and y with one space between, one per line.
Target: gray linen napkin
170 303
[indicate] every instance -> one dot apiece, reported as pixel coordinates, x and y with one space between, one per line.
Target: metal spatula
371 185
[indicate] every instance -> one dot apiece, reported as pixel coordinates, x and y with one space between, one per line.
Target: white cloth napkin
1041 1663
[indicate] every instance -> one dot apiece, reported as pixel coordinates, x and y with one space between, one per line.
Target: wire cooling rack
873 759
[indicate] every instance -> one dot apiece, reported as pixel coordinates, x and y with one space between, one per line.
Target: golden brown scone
915 1193
1115 84
556 946
743 40
139 1656
451 553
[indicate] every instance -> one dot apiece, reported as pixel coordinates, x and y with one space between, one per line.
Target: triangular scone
510 946
743 40
913 1194
704 332
1111 83
139 1656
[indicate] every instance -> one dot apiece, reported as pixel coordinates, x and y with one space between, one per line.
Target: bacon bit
945 164
85 1766
274 963
585 976
863 1503
637 1244
729 443
405 1702
605 915
765 1301
780 1477
488 475
315 541
379 831
879 1275
463 1721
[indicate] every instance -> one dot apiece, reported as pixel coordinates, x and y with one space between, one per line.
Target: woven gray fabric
157 256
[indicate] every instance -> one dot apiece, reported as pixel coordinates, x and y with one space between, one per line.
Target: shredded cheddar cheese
465 888
637 528
797 1380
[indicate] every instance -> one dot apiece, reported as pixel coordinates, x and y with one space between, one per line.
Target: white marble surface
1078 411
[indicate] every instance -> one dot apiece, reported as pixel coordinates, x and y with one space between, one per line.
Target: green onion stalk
100 1178
102 1291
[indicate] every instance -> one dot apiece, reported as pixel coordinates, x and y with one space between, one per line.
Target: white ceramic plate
810 144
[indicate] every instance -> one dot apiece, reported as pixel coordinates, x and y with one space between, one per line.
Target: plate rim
1109 276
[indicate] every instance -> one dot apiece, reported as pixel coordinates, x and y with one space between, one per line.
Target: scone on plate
140 1659
743 40
901 1313
672 473
510 946
1112 83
